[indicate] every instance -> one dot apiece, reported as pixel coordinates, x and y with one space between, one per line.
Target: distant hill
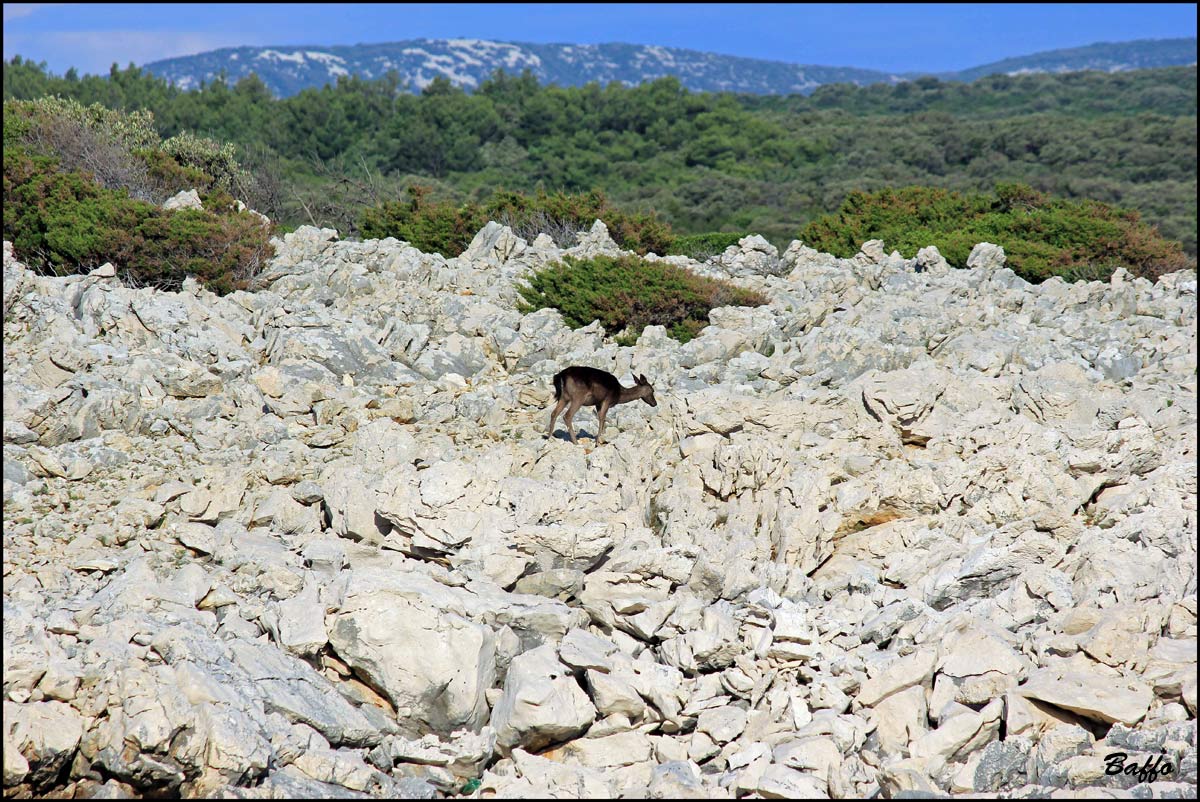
468 62
1103 56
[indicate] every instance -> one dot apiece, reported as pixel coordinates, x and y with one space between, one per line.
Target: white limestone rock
1090 694
410 646
541 704
44 735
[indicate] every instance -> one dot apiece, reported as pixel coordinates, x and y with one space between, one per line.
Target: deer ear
642 379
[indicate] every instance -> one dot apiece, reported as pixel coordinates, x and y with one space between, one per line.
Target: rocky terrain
907 530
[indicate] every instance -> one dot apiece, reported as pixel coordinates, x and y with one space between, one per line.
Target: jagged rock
609 751
494 243
676 779
752 256
301 623
986 256
780 782
583 650
722 724
904 672
960 735
979 665
463 753
900 719
930 260
595 242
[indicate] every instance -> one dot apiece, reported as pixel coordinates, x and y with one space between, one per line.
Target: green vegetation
82 186
1041 236
430 226
345 155
1168 91
628 294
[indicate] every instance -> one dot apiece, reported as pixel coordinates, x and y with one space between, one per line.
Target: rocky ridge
905 530
467 63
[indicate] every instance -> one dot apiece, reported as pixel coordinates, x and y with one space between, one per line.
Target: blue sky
889 37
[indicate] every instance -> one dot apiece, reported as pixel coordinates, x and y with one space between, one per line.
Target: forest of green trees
702 162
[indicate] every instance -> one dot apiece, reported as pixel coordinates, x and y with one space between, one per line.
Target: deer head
647 390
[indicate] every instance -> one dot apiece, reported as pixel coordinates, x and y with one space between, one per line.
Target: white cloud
17 10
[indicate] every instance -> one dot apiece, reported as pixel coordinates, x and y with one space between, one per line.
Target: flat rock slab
1107 699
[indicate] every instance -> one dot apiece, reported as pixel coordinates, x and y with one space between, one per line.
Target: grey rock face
905 530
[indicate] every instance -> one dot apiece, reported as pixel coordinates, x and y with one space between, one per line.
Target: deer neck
630 394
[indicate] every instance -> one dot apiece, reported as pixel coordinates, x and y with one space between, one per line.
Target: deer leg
601 413
562 402
569 419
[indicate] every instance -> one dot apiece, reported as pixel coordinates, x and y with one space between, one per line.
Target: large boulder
419 649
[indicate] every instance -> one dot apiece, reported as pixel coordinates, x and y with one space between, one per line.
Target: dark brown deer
579 386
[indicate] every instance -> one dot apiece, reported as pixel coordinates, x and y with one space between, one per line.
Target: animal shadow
561 434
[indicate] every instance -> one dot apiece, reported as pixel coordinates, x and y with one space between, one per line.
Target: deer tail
558 386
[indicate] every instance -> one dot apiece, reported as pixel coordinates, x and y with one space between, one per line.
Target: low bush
82 187
64 222
122 150
1041 236
627 294
211 158
131 130
704 246
93 140
428 225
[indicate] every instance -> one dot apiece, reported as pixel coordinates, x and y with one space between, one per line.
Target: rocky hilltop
289 69
467 63
906 529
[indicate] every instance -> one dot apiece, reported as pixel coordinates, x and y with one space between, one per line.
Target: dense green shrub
703 246
81 187
64 222
224 251
171 176
211 158
122 150
431 226
627 294
1041 236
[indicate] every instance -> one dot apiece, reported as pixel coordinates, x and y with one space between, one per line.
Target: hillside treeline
703 162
